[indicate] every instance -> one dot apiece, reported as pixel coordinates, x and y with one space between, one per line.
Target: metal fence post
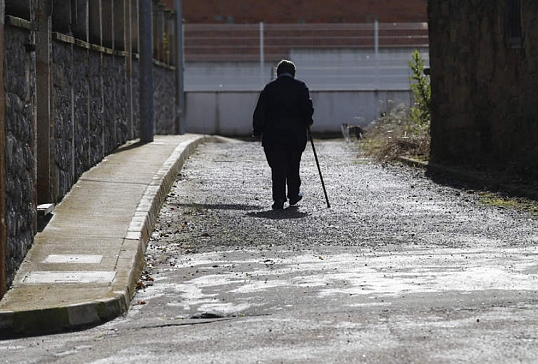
332 56
262 54
180 67
146 72
376 53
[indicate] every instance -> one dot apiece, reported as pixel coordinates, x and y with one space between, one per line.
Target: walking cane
319 169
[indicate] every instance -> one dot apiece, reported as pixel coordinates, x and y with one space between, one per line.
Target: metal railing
328 56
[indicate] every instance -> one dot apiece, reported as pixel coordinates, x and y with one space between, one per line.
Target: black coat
283 113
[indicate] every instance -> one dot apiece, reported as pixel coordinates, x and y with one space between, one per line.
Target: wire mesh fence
328 56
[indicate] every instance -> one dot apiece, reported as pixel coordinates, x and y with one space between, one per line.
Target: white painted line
48 277
74 258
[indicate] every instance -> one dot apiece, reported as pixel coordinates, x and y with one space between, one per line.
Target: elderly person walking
281 118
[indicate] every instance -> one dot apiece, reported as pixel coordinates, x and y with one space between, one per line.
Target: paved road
399 270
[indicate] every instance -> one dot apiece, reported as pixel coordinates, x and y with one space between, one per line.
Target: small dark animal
349 131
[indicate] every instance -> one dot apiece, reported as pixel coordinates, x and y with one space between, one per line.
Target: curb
59 319
146 214
93 313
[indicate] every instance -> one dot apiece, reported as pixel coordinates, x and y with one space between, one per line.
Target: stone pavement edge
84 265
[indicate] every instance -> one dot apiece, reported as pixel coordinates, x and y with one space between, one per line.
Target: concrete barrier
229 113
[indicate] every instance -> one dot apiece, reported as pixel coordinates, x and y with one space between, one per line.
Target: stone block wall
165 113
96 107
90 109
81 113
91 113
63 123
483 106
135 89
20 183
111 139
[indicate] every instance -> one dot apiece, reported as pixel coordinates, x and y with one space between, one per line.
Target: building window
514 34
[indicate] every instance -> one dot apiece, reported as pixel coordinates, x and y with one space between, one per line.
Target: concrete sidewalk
83 267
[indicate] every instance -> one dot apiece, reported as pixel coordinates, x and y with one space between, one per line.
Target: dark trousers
285 163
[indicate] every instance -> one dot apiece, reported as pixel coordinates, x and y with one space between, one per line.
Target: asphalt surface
400 269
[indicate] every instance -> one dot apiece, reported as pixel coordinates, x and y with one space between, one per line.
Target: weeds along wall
71 98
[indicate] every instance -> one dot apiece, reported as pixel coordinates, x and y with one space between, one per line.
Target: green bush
420 86
403 130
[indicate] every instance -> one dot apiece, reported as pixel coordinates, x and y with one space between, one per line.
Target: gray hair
285 66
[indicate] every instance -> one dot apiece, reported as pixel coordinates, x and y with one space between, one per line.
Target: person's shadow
220 206
291 212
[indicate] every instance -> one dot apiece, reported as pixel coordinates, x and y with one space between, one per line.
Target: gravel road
223 198
400 269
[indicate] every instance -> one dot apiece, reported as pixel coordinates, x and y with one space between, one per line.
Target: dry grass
395 135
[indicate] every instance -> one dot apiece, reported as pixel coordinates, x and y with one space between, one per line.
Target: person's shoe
294 200
278 205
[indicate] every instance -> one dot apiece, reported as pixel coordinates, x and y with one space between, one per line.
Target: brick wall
303 11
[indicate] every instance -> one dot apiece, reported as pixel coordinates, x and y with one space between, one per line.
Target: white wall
229 113
223 113
227 76
347 86
332 108
341 69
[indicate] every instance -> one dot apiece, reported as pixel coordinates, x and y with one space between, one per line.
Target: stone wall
483 87
135 89
91 113
90 109
165 114
19 86
63 124
96 107
81 114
